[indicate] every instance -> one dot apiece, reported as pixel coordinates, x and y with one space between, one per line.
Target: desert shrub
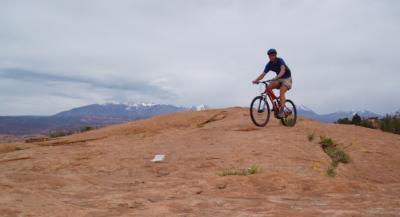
86 128
290 122
367 123
311 136
336 154
254 169
36 139
326 142
331 171
213 118
59 133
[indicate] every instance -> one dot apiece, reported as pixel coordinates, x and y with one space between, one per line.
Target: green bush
326 142
335 153
389 123
290 122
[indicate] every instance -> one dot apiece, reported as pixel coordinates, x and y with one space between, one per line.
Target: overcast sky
56 55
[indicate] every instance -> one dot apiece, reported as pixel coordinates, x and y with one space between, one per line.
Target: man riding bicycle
283 79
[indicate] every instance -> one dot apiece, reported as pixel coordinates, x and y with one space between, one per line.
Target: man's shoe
281 114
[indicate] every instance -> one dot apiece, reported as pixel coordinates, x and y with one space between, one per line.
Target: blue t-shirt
276 67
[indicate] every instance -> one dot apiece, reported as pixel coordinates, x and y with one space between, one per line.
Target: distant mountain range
332 117
127 111
100 115
95 115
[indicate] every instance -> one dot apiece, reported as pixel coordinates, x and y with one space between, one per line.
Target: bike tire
261 123
285 121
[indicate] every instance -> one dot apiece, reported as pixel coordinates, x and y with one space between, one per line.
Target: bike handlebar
264 82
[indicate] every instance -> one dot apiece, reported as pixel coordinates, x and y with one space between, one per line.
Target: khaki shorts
285 81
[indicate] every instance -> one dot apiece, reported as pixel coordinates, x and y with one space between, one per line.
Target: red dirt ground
107 172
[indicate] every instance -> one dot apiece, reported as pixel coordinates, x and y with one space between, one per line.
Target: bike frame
271 95
268 94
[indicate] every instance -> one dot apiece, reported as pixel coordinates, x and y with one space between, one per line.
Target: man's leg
273 85
283 91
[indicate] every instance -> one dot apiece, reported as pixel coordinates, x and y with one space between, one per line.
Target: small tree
356 119
343 121
391 123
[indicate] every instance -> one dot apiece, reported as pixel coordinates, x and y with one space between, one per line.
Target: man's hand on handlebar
264 82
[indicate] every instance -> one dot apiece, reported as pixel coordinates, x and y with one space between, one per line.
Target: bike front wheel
290 114
259 111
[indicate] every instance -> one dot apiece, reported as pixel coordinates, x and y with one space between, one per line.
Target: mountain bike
260 108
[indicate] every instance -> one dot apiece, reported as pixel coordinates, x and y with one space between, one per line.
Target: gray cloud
40 78
343 53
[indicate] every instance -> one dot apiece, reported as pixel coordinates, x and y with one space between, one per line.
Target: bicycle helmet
272 51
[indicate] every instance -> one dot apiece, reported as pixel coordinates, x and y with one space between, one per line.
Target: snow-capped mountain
304 108
135 105
131 111
201 107
304 111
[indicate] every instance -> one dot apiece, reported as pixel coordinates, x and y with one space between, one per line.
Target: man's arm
281 72
259 78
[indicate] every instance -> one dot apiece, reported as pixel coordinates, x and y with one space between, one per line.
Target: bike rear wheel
259 111
290 113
